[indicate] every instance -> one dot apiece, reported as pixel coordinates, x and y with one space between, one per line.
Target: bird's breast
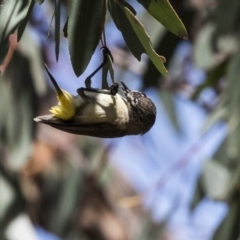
98 108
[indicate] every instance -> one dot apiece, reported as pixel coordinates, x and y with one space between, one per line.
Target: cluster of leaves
65 192
85 25
217 51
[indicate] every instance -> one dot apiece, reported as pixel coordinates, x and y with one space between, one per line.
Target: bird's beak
125 89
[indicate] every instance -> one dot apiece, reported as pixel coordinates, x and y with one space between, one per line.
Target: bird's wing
102 130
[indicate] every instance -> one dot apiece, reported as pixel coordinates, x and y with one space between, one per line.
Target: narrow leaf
213 77
233 91
198 194
12 13
57 26
39 1
121 21
65 29
112 7
163 12
229 228
114 11
134 34
144 38
85 25
127 5
215 180
23 24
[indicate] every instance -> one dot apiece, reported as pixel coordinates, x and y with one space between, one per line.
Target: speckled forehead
135 96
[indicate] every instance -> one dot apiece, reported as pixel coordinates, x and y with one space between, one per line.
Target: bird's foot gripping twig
113 90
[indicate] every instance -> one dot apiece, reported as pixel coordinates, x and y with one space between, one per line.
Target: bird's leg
106 52
111 91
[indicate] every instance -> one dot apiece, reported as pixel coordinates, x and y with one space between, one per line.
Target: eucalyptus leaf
234 181
217 115
135 35
213 77
163 12
23 24
112 7
203 53
121 21
229 228
57 26
12 13
139 30
221 154
39 1
32 51
168 102
67 207
230 22
215 180
128 6
18 125
85 25
198 195
7 198
65 29
233 91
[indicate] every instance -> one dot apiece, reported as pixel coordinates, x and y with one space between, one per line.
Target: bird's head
142 111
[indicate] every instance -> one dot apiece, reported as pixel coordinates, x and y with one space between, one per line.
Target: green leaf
230 10
57 26
218 114
65 29
23 24
163 12
7 198
127 5
39 1
85 25
229 228
118 16
215 179
12 13
198 195
121 21
233 91
167 99
144 38
213 77
134 34
112 7
234 181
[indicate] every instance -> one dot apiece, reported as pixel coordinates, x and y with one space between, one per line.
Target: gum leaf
85 25
163 12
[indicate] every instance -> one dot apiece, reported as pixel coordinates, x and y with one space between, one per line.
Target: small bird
101 113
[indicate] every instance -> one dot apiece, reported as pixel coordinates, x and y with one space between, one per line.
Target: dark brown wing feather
101 130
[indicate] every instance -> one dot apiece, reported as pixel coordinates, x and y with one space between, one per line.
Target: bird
102 113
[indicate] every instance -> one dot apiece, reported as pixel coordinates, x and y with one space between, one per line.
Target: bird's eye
144 94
